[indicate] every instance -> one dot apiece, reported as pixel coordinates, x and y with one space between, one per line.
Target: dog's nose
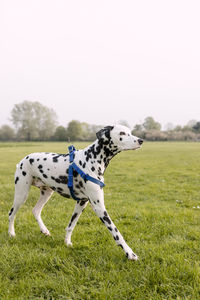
140 141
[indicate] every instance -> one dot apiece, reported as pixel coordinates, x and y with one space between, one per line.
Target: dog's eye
122 133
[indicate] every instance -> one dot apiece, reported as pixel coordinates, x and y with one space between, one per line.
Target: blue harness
73 167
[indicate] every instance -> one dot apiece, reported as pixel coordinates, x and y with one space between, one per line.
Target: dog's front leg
80 205
97 202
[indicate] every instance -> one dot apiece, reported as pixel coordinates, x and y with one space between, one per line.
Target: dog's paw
11 234
68 243
46 232
132 256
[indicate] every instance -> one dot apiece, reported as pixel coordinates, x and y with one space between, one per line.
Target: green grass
152 196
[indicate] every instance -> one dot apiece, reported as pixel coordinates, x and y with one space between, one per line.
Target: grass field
152 196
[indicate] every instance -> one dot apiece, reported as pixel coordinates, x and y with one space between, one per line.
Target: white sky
102 61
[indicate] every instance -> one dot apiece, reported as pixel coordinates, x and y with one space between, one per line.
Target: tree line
151 130
33 121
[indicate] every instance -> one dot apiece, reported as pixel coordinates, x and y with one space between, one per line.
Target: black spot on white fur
11 211
31 160
72 219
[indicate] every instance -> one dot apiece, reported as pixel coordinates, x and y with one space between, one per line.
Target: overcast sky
102 61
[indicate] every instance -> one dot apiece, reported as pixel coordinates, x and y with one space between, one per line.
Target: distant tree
85 127
138 130
89 131
60 134
155 135
178 128
138 127
74 131
175 135
7 133
33 121
151 124
189 126
191 123
189 136
196 127
169 126
181 135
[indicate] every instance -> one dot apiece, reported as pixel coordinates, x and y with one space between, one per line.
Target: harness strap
83 175
72 149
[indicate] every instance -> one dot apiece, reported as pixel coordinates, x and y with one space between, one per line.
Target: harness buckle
71 148
71 153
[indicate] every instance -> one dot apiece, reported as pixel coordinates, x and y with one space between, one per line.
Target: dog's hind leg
22 186
45 194
80 206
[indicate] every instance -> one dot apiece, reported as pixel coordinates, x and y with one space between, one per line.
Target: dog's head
119 136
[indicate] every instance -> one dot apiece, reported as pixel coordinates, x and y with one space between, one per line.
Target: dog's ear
106 130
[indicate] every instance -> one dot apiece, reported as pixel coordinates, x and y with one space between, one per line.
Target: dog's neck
99 154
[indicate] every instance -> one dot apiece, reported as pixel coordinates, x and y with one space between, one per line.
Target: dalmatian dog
49 172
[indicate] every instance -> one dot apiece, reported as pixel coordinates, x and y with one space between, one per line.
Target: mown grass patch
152 196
